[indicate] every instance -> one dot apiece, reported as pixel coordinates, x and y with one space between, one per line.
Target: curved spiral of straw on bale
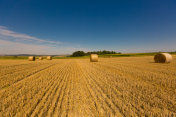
31 58
93 58
49 58
40 58
163 58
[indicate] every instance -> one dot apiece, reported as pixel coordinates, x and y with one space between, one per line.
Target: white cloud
9 47
12 42
9 33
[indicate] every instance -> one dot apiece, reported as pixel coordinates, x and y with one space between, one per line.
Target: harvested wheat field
125 86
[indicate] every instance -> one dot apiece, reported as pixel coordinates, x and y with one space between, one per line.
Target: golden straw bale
40 58
93 58
163 58
31 58
49 58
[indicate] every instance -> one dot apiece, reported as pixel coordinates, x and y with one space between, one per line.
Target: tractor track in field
51 95
16 70
95 68
102 96
24 78
9 66
55 101
27 79
37 92
142 77
27 76
80 88
152 69
64 99
46 94
133 104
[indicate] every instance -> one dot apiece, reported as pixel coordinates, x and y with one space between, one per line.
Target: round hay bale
31 58
93 58
40 58
163 58
49 58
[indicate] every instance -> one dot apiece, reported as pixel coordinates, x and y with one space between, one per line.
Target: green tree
78 53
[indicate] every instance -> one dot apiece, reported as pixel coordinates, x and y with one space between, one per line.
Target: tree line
82 53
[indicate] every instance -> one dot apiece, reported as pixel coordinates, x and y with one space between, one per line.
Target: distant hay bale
163 58
31 58
93 58
49 58
40 58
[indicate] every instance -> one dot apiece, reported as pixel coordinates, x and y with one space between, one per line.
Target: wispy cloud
12 42
9 47
9 33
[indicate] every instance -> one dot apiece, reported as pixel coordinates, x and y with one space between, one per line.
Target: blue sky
61 27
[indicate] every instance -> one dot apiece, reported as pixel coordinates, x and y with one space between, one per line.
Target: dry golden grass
129 86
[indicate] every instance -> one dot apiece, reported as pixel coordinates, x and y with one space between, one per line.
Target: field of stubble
126 86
